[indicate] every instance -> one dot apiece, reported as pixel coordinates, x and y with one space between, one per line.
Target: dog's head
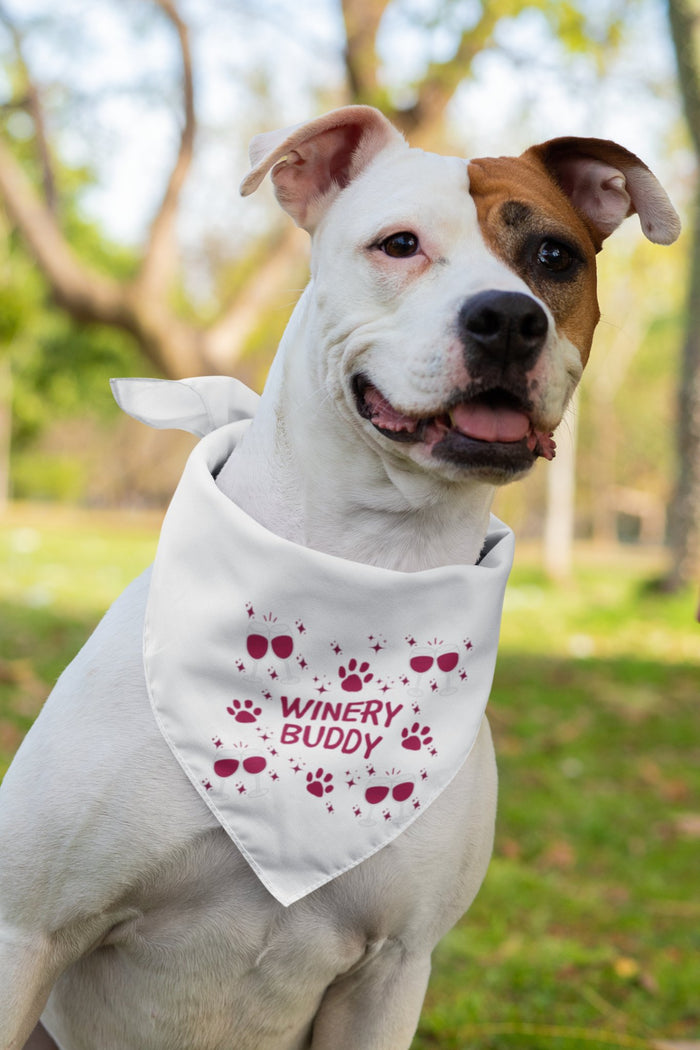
453 302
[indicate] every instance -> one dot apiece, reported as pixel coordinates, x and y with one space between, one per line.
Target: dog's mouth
487 428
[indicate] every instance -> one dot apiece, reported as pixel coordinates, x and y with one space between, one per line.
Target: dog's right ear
312 162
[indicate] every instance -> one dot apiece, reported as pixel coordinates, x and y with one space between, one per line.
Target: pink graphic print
385 790
417 737
253 765
226 767
268 635
354 677
420 663
318 783
346 709
447 660
244 712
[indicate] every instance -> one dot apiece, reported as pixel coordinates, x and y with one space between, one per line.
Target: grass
586 933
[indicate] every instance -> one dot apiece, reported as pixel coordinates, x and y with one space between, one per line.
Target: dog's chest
205 942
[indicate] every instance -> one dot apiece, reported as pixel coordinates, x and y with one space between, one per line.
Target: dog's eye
400 245
555 256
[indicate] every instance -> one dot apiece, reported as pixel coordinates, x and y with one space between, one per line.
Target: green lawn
587 931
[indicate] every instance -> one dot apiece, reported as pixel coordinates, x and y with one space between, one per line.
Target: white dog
448 318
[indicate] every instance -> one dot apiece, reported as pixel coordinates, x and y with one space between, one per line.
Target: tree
142 304
684 510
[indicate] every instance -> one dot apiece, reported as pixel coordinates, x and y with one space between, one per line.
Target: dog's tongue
490 424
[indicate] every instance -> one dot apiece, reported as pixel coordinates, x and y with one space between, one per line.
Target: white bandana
317 705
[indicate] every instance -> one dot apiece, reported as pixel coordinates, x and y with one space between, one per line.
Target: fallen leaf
672 1044
626 968
688 824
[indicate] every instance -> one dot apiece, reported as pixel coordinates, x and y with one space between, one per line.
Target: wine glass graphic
226 767
283 647
375 794
379 790
257 643
421 661
447 660
255 764
400 793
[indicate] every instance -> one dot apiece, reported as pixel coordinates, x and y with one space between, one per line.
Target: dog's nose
503 327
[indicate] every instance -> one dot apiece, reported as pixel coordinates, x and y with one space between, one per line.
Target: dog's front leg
377 1006
28 969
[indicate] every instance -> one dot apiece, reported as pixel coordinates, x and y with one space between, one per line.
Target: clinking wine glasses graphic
265 635
388 789
252 764
438 654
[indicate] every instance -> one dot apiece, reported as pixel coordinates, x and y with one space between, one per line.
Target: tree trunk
5 428
561 497
684 511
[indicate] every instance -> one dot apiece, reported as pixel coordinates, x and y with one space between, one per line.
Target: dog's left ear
607 183
312 162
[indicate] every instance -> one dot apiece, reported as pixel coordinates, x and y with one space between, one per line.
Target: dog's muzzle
487 427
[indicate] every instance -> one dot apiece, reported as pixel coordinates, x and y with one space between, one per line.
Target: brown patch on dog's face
527 222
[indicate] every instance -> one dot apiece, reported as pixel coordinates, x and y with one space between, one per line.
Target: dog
447 321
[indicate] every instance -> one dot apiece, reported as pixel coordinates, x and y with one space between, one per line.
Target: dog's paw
244 712
416 738
352 679
319 784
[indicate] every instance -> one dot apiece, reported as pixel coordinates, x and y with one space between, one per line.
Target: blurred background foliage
125 251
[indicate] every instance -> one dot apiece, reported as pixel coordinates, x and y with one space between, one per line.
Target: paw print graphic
244 712
318 783
352 679
416 738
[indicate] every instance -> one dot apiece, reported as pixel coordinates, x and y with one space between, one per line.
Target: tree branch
362 19
225 339
173 346
443 78
160 255
32 104
85 294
